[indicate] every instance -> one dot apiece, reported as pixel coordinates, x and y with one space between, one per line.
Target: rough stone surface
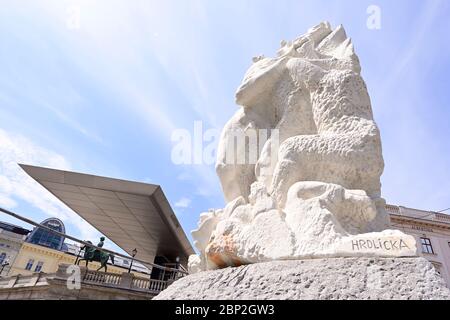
305 180
334 278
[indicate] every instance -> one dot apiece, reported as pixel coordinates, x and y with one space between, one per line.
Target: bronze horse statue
93 254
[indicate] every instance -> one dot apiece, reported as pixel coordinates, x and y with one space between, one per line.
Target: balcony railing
418 214
104 278
152 285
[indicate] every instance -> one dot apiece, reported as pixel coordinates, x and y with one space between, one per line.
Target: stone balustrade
93 285
418 214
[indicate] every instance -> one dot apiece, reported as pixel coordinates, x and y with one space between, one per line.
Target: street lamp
177 266
78 255
4 264
133 254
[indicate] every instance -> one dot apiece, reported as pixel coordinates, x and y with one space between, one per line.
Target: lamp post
4 264
133 254
78 255
177 266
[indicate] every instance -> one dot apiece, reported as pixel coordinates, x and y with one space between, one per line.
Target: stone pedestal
332 278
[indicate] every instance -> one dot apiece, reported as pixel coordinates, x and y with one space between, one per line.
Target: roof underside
132 214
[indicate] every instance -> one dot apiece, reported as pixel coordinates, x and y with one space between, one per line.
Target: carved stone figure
313 189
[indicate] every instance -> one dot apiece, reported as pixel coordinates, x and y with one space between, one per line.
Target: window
38 266
45 238
29 264
426 245
2 257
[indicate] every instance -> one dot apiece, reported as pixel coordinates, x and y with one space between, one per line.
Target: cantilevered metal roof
132 214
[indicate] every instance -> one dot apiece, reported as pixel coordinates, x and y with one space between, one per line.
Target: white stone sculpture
310 187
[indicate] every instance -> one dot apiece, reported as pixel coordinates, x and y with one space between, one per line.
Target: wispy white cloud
204 178
184 202
422 30
153 47
7 202
72 123
184 176
192 73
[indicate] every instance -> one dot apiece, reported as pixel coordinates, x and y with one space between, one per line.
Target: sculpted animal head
320 46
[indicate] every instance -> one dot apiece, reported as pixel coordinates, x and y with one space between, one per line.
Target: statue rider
97 252
102 242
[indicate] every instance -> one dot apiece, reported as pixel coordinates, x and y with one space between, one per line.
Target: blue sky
104 95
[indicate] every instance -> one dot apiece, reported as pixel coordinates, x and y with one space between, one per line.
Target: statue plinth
328 279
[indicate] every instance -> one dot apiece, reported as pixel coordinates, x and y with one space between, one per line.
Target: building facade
46 238
11 239
24 252
432 233
33 258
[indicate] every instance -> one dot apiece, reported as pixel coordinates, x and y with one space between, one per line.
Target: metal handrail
29 221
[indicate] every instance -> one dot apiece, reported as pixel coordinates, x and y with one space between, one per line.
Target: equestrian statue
93 254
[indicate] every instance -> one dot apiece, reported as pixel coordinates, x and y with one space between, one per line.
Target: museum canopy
131 214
